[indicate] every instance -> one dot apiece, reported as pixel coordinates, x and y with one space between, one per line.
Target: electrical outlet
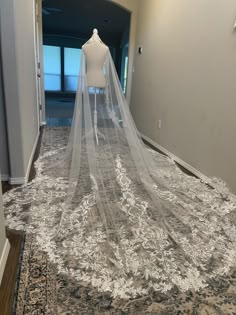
159 124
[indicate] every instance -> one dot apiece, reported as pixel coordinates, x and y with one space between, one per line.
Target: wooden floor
8 285
6 187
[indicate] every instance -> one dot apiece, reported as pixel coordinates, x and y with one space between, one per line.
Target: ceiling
79 17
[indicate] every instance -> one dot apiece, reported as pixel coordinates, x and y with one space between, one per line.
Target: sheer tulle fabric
126 229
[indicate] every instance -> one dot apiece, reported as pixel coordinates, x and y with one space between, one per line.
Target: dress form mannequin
95 52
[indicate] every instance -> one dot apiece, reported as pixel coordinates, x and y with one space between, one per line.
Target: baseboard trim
190 168
24 180
4 178
31 159
3 259
17 180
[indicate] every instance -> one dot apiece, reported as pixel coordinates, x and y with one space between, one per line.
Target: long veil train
125 229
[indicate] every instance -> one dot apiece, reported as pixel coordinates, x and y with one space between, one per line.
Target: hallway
131 210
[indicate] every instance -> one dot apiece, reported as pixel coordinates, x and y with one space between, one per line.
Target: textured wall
186 78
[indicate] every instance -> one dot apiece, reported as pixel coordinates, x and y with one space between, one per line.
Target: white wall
186 78
19 75
130 5
4 166
26 75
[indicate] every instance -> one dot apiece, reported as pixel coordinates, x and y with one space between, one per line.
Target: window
59 74
52 68
124 67
62 68
125 74
72 68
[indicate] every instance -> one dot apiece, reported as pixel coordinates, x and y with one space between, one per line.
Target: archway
115 21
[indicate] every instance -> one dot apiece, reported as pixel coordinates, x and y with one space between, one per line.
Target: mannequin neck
95 38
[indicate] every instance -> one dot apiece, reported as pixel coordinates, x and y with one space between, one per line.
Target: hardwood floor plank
8 285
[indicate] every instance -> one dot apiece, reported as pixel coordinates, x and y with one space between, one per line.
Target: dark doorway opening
67 25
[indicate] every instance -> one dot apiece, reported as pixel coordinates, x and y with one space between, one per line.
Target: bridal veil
124 228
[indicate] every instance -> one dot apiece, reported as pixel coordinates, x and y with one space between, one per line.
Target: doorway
66 27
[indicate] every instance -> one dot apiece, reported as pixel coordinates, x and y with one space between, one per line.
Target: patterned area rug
43 291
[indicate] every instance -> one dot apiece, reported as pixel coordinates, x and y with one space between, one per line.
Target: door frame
39 62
